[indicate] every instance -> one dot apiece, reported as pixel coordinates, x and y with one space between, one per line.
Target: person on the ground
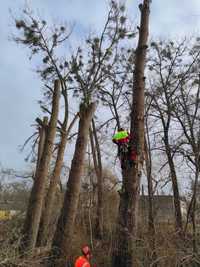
83 261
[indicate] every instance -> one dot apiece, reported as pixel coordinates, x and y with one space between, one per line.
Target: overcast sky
20 87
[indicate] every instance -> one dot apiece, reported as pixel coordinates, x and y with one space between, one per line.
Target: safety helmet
121 129
86 250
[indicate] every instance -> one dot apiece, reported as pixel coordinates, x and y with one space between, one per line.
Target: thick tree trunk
177 205
63 237
96 154
124 253
34 211
44 234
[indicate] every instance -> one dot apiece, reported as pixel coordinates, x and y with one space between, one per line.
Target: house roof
161 197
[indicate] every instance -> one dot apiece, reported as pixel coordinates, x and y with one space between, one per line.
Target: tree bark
44 234
42 136
126 232
151 224
62 241
96 154
177 205
31 225
192 205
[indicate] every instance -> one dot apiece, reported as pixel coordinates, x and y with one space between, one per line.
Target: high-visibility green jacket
120 135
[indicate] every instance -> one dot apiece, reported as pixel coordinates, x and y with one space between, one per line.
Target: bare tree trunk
62 241
168 150
124 250
195 243
151 225
192 207
91 194
34 211
194 233
42 136
96 153
188 118
44 234
54 181
177 205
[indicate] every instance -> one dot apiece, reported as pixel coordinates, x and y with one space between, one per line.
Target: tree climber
121 138
83 261
125 152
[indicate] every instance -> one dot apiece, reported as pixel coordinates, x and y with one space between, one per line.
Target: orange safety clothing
82 262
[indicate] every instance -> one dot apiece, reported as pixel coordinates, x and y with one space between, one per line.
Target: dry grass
170 249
